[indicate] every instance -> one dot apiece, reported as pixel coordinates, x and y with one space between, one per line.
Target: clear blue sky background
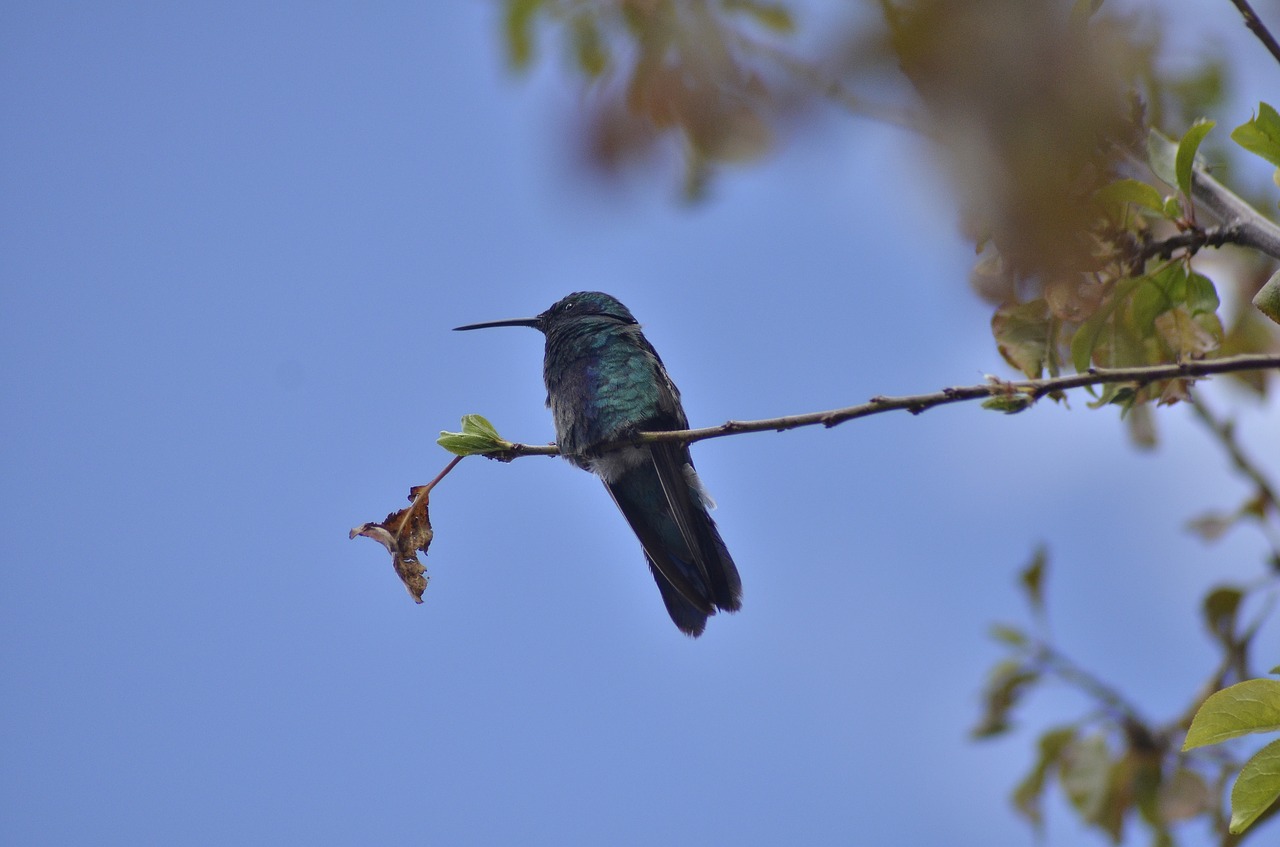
235 237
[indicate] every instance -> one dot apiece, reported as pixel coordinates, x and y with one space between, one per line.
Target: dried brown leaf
405 534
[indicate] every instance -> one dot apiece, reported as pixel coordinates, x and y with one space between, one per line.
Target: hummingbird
605 382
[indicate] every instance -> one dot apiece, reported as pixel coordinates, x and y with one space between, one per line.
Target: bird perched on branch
605 382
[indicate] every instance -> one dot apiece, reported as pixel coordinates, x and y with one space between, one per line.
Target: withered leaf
1186 336
405 534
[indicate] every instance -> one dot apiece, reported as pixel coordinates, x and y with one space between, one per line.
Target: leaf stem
432 484
423 492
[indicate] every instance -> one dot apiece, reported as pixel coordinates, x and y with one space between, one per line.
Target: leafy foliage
1113 764
1244 708
664 68
1261 134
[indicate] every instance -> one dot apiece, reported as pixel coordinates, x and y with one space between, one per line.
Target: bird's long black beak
536 323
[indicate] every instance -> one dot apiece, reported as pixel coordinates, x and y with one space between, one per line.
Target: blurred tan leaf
1022 335
1183 796
774 16
1027 107
1027 796
1212 525
1221 608
1184 335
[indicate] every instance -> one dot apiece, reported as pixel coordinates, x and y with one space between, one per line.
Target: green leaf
1261 134
1249 706
773 16
1032 578
1010 404
588 47
1160 155
1125 191
1256 788
1186 156
479 425
478 437
1086 776
1221 608
1005 686
1154 295
1010 635
1275 670
1087 336
1202 294
1267 300
519 30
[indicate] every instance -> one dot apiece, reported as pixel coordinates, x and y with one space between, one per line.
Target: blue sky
235 239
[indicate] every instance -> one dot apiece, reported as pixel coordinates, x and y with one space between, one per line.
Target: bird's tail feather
685 552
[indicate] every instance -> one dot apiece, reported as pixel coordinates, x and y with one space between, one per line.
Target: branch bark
1027 391
1257 27
1247 227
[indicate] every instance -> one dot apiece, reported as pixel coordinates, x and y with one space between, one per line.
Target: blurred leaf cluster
1141 300
1040 112
663 68
1113 764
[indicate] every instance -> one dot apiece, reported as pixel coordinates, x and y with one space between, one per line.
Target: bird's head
579 306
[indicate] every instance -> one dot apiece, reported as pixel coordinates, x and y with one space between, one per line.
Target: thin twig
1252 229
1068 671
832 88
420 493
432 484
1026 390
1225 432
1258 28
1192 241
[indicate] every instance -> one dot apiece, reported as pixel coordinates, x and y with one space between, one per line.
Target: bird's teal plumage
602 357
604 382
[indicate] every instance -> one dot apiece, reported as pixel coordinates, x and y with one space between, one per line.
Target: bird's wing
669 461
656 548
689 508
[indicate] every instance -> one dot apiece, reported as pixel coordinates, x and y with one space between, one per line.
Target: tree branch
1025 392
1259 29
1191 240
832 88
1052 661
1249 228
